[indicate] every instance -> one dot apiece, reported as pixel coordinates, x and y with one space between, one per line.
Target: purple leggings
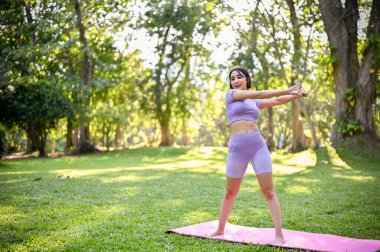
246 147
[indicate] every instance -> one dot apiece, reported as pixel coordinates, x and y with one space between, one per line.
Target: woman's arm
279 100
238 94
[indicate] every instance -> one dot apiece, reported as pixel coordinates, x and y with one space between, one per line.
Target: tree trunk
183 103
53 146
297 129
84 136
332 13
69 134
76 136
31 143
103 138
108 131
270 141
119 137
364 109
30 147
70 138
350 77
32 27
315 142
84 141
332 16
108 141
164 86
158 93
38 138
165 134
298 142
185 140
84 145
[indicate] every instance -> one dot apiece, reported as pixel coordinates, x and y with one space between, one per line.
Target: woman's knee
231 193
269 193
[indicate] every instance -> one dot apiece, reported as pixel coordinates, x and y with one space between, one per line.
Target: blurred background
80 76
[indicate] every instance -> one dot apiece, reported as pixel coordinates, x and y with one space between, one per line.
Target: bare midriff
243 126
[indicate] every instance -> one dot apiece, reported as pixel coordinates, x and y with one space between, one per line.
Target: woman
247 144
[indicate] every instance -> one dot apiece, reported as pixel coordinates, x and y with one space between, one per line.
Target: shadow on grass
115 198
126 200
332 197
359 159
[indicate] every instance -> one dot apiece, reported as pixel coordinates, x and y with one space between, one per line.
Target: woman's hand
294 92
297 89
304 92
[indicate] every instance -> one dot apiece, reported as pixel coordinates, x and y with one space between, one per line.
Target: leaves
180 27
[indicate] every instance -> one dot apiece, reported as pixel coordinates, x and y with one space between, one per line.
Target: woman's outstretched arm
281 100
238 94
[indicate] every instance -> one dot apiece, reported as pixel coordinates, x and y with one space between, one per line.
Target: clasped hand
297 89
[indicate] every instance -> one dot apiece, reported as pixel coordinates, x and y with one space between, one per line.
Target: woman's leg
232 189
266 186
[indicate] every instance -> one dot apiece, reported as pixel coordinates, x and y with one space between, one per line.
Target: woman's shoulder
229 95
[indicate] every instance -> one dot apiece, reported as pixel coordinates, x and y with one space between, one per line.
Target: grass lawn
126 200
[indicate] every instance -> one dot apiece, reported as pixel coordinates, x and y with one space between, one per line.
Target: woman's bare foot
215 233
278 241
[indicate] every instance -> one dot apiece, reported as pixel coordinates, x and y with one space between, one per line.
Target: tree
116 104
180 27
254 54
268 46
90 60
29 65
86 74
354 72
47 43
34 108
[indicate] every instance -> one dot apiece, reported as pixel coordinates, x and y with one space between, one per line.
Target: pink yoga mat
293 239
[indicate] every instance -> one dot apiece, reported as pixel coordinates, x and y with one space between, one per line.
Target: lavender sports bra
247 109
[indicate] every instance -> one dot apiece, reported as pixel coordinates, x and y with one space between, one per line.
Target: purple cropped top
237 110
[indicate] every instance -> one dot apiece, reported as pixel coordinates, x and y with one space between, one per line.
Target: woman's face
238 80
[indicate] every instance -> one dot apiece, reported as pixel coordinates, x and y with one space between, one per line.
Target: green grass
126 200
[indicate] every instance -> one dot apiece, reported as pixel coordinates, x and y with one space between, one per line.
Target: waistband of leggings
250 133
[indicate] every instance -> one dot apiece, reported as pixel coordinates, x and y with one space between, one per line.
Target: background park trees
276 47
179 28
70 66
355 66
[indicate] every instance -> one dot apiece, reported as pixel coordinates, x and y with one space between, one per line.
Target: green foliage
184 85
373 40
350 96
275 52
354 108
45 49
179 27
208 124
334 61
35 109
348 126
40 105
351 127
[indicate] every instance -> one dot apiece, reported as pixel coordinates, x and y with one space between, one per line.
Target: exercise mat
293 239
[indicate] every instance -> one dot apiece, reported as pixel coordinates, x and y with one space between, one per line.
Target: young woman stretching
247 144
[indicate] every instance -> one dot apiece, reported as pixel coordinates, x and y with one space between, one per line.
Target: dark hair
242 71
